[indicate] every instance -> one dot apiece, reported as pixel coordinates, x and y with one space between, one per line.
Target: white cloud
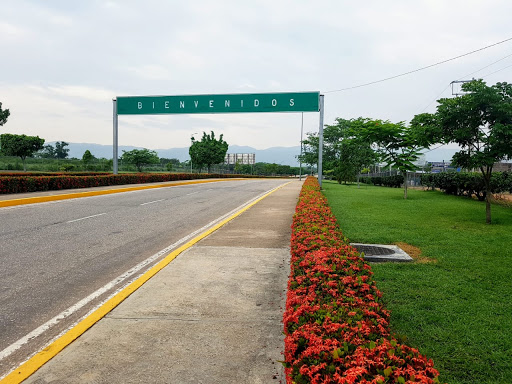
12 33
62 62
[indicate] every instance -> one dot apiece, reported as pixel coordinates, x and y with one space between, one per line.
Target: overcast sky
62 62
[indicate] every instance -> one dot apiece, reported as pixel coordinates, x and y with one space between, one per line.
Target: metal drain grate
371 250
382 252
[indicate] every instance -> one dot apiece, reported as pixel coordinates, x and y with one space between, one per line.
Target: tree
140 158
208 151
345 151
87 158
20 145
353 150
355 155
310 150
396 143
60 151
480 122
48 152
4 114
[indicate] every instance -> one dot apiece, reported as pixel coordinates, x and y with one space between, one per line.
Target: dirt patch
504 199
415 253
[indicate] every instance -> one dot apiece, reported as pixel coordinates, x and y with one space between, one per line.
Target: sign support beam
224 103
115 154
320 140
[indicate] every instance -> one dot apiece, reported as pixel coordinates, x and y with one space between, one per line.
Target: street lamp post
192 138
300 158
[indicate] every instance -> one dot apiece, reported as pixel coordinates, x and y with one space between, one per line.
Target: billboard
240 158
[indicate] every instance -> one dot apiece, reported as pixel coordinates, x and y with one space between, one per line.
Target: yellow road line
37 361
75 195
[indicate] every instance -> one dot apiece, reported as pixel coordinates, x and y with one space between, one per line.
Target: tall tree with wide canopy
208 151
140 158
396 143
480 122
61 152
354 151
345 152
22 146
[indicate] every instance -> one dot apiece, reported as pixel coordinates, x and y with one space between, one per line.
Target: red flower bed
19 183
336 326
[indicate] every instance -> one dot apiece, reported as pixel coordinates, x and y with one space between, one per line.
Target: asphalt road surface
53 255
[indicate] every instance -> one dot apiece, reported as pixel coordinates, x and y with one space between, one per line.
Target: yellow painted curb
37 361
75 195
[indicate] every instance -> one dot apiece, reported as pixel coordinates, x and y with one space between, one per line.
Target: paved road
55 254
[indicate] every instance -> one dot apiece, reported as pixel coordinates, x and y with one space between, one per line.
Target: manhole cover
382 252
371 250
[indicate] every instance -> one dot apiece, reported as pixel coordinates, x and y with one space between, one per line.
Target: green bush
23 182
395 181
467 184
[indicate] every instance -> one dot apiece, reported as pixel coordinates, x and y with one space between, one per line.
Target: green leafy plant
140 158
336 325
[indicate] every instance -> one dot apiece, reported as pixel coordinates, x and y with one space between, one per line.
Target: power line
466 76
419 69
448 86
433 149
487 66
499 70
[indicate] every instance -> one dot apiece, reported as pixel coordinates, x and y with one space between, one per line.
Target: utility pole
456 90
300 158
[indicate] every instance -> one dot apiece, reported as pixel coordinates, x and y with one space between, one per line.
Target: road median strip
76 195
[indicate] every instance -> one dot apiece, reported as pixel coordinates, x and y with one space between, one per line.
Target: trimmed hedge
467 184
395 181
336 326
26 174
14 183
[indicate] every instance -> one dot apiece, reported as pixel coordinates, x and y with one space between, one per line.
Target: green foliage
208 151
310 150
19 183
467 184
397 144
480 122
20 145
175 162
61 152
47 152
336 325
394 181
345 151
67 167
140 158
453 303
4 114
87 158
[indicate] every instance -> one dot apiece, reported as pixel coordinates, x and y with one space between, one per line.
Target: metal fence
413 178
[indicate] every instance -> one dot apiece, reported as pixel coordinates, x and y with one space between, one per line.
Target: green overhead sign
235 103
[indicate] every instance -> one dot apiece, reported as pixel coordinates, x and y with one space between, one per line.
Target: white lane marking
151 202
68 312
192 193
87 217
42 204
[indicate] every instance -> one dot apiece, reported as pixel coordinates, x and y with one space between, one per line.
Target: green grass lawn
458 309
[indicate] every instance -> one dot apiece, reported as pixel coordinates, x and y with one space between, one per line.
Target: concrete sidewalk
213 315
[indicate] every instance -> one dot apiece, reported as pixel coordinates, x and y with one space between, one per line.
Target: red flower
336 328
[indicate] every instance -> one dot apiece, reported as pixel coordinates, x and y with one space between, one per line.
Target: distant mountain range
278 155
